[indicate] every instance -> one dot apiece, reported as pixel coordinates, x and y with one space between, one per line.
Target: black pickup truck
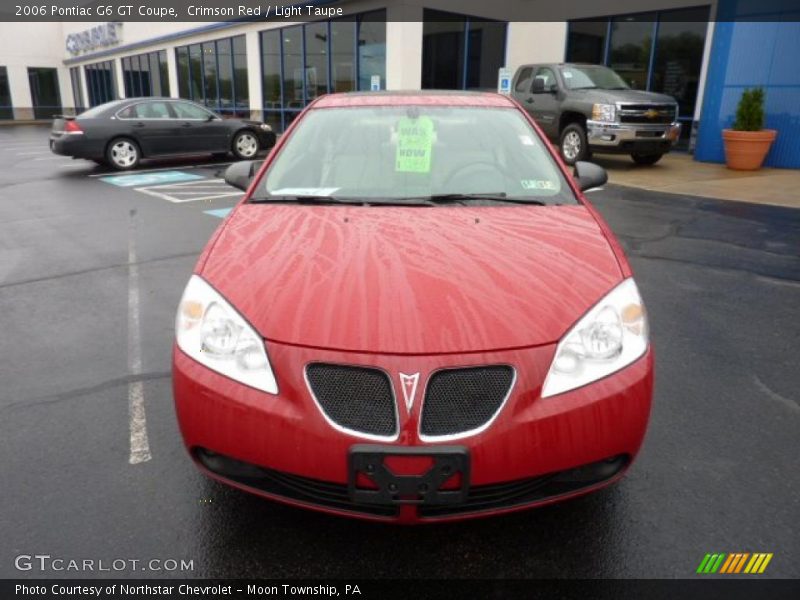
590 108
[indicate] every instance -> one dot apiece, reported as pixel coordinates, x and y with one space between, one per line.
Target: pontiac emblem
409 385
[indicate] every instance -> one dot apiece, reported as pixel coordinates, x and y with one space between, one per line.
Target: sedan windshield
419 155
592 76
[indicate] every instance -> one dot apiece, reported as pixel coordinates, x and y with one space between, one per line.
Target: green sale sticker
414 145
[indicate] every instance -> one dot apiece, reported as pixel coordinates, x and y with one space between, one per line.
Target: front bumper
535 452
630 137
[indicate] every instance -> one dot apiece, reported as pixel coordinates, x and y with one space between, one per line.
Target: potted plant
747 144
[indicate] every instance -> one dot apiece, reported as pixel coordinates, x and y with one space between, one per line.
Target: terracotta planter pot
746 150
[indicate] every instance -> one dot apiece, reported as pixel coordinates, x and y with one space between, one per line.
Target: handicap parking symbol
141 179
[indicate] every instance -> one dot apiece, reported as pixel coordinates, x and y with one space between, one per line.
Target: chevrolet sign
101 36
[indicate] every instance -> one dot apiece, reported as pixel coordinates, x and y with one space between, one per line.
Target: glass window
155 75
343 70
196 73
240 79
293 67
679 55
271 69
225 64
524 80
45 94
77 89
386 152
443 51
486 50
371 48
302 62
210 74
631 42
6 110
460 52
548 78
152 110
586 77
147 74
186 110
101 81
586 41
163 70
182 59
316 38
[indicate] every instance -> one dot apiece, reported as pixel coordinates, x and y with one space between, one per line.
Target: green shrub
750 112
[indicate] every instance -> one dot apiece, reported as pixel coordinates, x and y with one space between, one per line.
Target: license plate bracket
389 488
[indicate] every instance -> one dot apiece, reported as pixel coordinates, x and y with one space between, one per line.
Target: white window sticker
526 140
566 74
538 184
304 191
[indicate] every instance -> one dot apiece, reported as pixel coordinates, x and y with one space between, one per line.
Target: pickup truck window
524 80
547 76
592 77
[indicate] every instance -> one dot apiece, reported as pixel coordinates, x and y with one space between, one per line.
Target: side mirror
538 86
240 174
589 175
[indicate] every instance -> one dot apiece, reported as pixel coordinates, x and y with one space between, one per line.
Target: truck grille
646 114
458 401
358 399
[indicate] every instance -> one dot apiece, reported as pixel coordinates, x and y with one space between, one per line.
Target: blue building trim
761 51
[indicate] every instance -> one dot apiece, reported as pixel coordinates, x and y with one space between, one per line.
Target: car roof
415 97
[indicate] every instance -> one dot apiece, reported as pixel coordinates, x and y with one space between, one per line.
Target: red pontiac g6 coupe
413 315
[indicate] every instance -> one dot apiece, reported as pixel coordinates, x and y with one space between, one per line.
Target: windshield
592 76
375 154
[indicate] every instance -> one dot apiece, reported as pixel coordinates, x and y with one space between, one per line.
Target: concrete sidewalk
679 173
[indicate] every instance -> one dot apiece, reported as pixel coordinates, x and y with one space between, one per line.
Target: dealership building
704 55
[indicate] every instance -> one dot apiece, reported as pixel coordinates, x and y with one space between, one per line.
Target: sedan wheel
123 154
245 145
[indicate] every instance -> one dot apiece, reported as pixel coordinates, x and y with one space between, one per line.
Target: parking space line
139 442
190 191
33 153
137 171
53 158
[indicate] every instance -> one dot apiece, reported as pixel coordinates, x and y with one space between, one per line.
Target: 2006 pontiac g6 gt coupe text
413 315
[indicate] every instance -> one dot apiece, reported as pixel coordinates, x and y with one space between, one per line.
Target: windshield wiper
464 198
292 199
349 201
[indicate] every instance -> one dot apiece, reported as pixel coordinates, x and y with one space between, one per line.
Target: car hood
411 280
625 96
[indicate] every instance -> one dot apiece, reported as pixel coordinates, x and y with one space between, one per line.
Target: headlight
606 113
209 330
265 127
610 336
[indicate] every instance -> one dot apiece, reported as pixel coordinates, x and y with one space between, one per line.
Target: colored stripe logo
734 563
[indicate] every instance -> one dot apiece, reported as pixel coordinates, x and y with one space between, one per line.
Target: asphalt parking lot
84 260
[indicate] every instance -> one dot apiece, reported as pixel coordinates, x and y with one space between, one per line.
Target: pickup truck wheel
573 144
646 159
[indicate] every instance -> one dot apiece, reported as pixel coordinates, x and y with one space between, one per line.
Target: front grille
462 400
292 487
482 498
638 113
358 399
